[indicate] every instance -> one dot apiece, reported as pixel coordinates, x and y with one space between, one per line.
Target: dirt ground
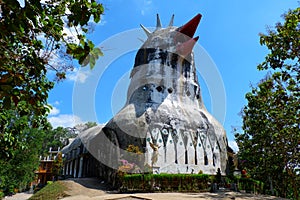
94 189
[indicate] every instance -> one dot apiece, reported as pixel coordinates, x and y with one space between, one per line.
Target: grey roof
82 137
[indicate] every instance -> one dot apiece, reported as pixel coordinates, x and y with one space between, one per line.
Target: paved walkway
19 196
181 196
93 189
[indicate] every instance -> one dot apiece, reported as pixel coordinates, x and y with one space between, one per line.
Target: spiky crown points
176 39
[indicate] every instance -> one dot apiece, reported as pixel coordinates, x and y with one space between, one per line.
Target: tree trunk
271 185
293 182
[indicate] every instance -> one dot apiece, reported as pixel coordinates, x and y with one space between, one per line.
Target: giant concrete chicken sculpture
164 114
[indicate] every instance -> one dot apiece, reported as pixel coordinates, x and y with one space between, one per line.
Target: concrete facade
165 110
164 114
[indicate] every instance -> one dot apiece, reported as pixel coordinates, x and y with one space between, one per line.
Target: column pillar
75 168
71 168
80 167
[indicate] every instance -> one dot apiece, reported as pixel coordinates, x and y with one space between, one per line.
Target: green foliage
54 138
53 191
283 44
250 185
33 42
57 165
58 137
165 182
90 124
269 145
18 170
30 37
16 126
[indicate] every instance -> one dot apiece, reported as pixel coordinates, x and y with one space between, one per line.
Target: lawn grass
52 191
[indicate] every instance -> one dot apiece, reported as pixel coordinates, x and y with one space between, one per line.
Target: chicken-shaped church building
164 114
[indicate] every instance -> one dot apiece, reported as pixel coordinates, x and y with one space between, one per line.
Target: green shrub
165 182
250 185
1 194
49 182
53 191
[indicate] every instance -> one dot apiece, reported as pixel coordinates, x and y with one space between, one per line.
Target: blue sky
228 33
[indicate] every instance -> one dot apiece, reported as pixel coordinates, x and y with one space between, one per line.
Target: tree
57 165
18 170
54 138
59 137
270 142
90 124
33 42
82 127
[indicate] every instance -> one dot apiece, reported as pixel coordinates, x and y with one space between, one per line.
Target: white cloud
56 103
78 75
64 120
54 111
233 145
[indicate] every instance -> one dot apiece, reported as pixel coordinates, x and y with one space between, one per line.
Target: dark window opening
205 160
195 89
159 88
186 68
174 60
143 56
186 157
188 93
170 90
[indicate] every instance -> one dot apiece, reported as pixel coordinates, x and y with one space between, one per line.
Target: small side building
45 170
78 162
